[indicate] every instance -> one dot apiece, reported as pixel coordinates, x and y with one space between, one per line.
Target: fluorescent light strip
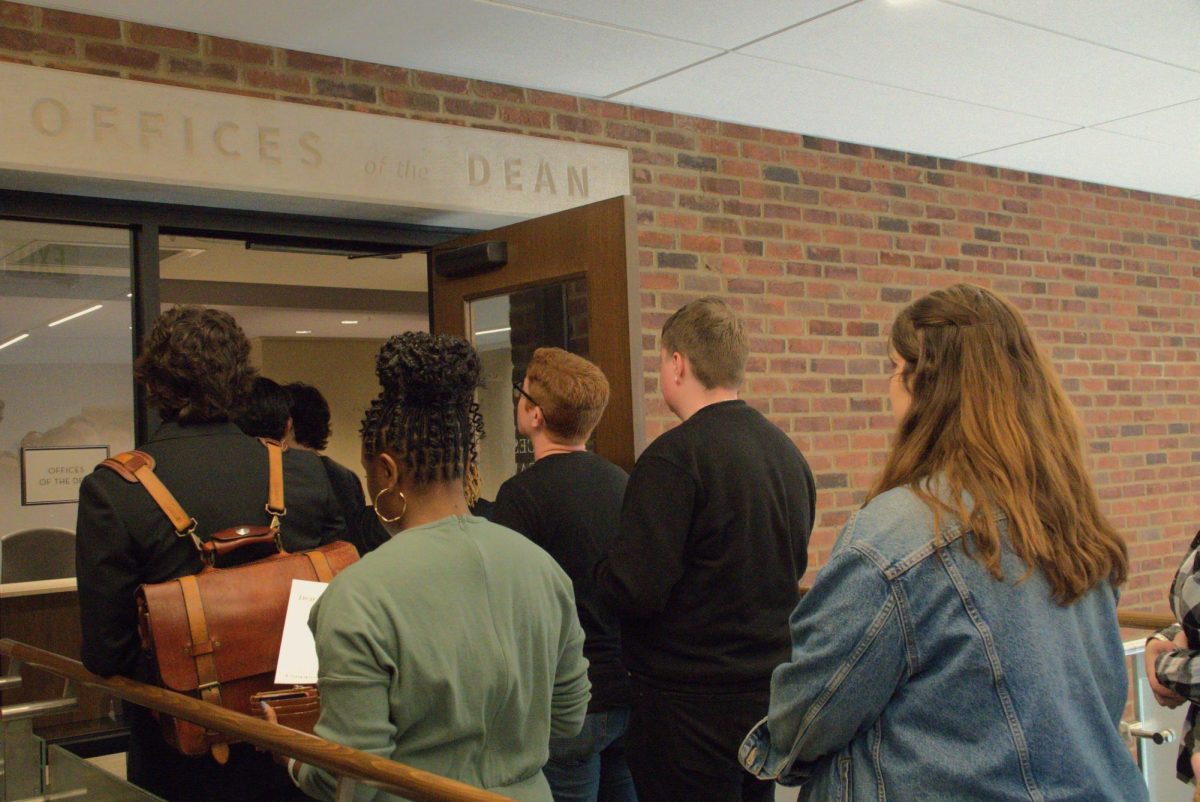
77 314
493 331
16 339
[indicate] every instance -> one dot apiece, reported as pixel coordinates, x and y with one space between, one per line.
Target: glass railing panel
31 771
72 777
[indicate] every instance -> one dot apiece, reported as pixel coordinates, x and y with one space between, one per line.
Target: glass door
66 403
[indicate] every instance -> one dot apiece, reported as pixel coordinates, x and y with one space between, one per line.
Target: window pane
65 365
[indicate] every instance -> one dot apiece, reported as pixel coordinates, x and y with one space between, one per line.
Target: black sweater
570 505
713 542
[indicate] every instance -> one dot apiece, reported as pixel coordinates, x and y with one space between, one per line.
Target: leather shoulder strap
138 467
275 462
320 564
202 646
127 463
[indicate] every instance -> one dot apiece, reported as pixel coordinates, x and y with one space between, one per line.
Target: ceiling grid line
1103 91
1080 39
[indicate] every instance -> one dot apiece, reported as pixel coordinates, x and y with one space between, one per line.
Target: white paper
298 651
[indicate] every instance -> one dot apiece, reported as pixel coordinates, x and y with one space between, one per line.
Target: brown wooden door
570 281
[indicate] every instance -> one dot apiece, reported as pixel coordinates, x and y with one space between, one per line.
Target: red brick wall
819 243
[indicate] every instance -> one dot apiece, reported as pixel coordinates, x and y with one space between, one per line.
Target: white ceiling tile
1175 125
711 22
456 37
461 37
1105 158
780 96
962 54
1165 30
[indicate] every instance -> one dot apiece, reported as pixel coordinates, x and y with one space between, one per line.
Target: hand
1162 694
270 715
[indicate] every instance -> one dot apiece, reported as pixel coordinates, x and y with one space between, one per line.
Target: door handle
1136 730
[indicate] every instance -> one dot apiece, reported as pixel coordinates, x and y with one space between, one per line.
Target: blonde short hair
712 337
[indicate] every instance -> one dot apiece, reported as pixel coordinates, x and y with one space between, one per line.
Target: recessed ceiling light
349 322
16 339
80 313
304 331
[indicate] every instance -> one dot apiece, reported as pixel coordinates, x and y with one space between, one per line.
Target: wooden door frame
614 315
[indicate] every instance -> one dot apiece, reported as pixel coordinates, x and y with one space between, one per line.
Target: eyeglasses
519 391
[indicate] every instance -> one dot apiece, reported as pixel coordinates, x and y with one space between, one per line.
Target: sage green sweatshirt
453 648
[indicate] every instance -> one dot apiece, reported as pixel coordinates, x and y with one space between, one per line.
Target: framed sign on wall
52 475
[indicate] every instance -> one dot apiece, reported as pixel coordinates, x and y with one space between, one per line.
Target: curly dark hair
310 416
195 365
265 410
426 412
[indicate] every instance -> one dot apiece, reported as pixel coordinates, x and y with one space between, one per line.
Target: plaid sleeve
1179 670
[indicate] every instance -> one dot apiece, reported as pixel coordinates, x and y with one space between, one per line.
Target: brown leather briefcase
216 634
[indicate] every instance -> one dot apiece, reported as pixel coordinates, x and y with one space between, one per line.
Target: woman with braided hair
454 647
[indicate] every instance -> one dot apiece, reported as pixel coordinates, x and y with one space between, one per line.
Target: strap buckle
190 531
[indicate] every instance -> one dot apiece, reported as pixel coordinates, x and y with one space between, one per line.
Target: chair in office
30 555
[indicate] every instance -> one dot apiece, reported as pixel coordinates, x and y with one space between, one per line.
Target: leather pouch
298 708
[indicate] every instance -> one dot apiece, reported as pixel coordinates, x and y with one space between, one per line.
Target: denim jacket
916 675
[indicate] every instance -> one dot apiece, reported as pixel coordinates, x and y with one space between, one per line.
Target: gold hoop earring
384 519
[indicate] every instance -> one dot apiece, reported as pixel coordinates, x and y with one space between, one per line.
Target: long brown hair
990 421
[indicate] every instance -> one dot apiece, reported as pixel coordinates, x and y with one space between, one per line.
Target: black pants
249 776
682 746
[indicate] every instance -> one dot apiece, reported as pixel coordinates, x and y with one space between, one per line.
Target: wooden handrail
1139 620
392 777
1134 619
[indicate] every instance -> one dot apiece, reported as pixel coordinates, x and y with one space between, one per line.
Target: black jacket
123 540
363 529
713 541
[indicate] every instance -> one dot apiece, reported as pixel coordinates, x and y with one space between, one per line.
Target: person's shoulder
752 418
105 482
224 445
357 596
338 472
371 574
495 535
301 458
896 526
497 540
679 439
518 494
605 466
585 467
520 483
